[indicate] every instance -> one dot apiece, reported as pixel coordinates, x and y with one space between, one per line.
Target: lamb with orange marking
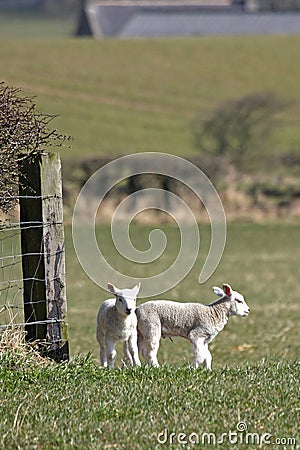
193 321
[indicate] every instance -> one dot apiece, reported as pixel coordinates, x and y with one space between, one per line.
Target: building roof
140 18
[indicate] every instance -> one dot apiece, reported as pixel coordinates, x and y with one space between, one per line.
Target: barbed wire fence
11 285
32 259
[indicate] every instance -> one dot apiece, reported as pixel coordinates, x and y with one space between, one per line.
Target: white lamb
116 321
193 321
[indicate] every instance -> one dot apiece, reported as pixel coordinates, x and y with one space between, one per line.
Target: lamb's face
125 299
125 304
238 305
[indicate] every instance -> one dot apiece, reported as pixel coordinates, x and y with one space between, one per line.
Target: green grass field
122 96
35 24
77 406
118 97
255 377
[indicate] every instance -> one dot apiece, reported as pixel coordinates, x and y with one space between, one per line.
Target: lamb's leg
144 348
150 349
148 340
111 353
103 358
207 361
102 347
127 355
141 345
201 354
133 349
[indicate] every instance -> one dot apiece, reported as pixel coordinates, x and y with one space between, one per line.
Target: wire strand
11 272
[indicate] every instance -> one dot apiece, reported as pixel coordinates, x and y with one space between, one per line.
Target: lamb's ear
112 288
227 289
136 289
218 291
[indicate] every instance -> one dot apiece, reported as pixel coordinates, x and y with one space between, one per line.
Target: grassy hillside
123 96
79 406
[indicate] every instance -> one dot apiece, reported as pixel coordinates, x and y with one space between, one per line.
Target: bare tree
24 133
239 127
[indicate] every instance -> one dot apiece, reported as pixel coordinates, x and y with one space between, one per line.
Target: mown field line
109 101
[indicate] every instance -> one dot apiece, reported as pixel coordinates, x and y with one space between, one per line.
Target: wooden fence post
43 260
